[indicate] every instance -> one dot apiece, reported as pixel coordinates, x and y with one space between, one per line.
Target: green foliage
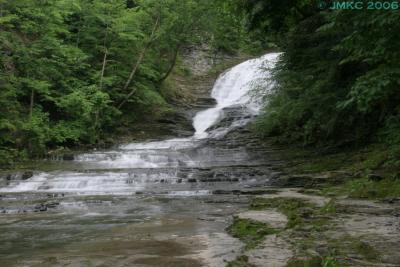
365 188
366 250
241 261
338 79
329 207
35 131
250 232
301 214
315 261
291 207
65 64
390 135
330 262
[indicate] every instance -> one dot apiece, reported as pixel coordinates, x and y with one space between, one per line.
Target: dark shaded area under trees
73 70
338 81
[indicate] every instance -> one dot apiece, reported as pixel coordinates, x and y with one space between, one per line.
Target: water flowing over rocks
169 202
149 203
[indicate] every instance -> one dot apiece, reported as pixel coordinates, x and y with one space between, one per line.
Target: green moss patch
366 188
241 261
249 231
366 250
295 209
314 261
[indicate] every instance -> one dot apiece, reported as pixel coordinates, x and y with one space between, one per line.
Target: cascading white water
231 89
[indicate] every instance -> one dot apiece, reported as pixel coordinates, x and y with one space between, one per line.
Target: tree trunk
31 104
103 67
105 55
171 67
138 62
78 38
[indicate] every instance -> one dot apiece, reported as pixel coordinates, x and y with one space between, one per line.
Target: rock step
273 218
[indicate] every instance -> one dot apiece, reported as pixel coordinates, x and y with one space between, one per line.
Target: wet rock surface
143 204
359 232
273 218
274 252
114 208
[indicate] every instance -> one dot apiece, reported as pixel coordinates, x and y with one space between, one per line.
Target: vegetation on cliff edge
72 71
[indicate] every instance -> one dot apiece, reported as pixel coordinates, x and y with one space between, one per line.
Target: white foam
233 88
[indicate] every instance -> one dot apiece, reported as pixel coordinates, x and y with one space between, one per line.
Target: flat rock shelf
156 203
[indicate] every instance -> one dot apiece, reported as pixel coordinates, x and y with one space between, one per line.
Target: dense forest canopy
72 70
338 81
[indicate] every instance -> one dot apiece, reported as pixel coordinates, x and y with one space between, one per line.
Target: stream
156 203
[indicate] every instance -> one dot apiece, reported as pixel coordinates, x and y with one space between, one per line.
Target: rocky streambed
219 198
154 203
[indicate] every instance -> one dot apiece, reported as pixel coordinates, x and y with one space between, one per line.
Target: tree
74 70
338 80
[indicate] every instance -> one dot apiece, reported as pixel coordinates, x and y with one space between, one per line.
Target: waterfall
233 88
163 165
